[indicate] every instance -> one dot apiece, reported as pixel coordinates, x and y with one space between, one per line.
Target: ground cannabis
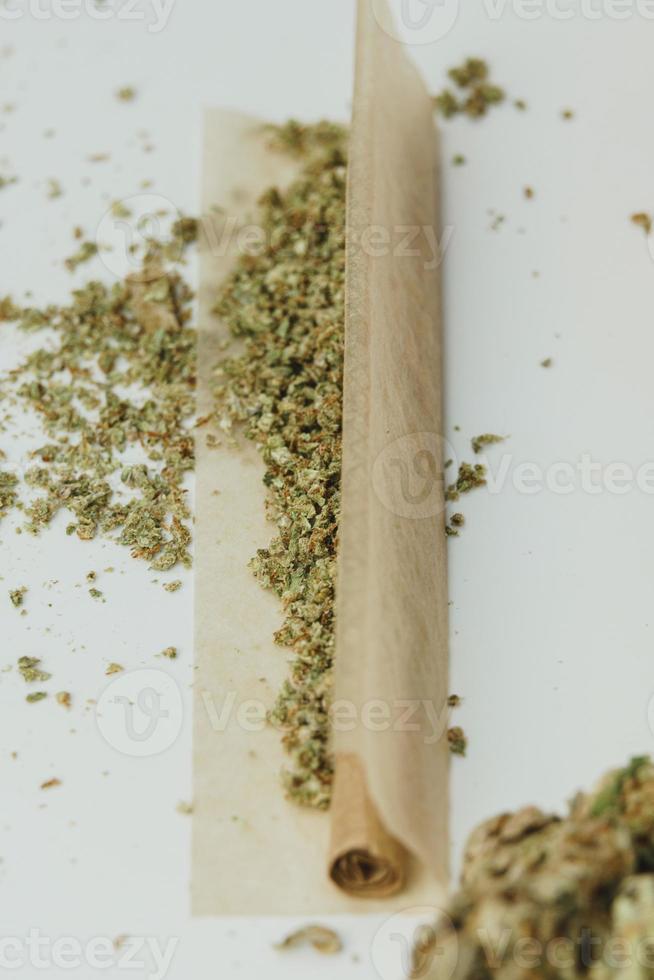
487 439
16 596
170 653
643 220
287 305
578 889
36 696
468 478
457 740
29 670
114 669
322 939
64 699
117 383
474 95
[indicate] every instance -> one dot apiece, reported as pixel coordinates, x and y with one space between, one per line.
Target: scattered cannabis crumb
643 220
96 594
287 304
487 439
126 94
113 387
474 94
468 478
186 809
529 193
457 740
454 701
7 181
55 189
520 104
458 160
581 883
64 699
114 669
567 114
547 362
36 696
17 596
173 586
170 652
29 670
51 783
85 253
322 939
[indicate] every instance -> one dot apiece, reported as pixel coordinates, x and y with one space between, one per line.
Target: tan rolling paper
390 710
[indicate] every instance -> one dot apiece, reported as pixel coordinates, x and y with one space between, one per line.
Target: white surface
551 643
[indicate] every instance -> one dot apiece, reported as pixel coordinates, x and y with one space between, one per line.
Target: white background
551 593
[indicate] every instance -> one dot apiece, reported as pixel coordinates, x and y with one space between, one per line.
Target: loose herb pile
113 386
474 94
550 897
287 305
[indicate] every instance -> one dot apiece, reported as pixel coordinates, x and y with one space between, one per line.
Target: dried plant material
7 181
468 478
9 311
487 439
170 652
567 114
458 160
55 189
17 596
457 740
51 783
453 701
477 94
520 104
114 669
579 889
28 668
99 157
85 253
547 362
173 586
287 305
117 384
97 594
8 493
643 220
36 696
126 94
529 193
186 809
322 939
64 699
